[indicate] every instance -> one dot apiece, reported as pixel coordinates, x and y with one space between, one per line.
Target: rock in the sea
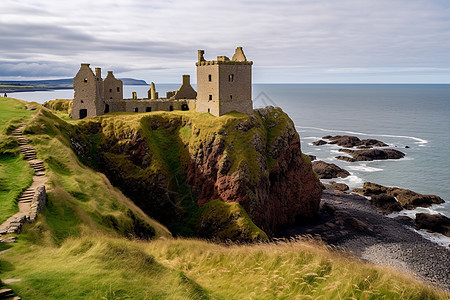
340 187
407 198
319 143
405 220
385 203
436 222
371 154
327 171
350 141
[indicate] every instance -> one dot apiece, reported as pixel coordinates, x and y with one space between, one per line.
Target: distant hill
56 84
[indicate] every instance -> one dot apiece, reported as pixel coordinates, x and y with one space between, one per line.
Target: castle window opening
82 101
231 97
171 108
110 90
85 80
210 97
231 77
209 77
118 89
148 109
184 107
106 108
208 110
136 109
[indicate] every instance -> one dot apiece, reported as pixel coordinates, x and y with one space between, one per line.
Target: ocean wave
364 168
311 138
421 142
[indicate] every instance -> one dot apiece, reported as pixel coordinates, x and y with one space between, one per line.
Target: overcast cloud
289 41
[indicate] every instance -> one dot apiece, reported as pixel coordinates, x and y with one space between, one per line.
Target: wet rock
434 222
371 154
341 187
407 198
385 203
349 141
327 171
319 143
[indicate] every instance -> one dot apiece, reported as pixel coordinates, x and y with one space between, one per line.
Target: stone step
25 201
26 192
5 293
26 197
40 174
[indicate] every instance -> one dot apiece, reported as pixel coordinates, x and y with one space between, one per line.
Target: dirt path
350 222
25 200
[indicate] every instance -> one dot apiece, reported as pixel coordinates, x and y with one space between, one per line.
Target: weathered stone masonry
223 85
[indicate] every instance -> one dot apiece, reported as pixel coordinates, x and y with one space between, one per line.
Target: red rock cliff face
276 186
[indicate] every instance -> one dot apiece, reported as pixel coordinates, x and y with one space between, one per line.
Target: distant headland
46 85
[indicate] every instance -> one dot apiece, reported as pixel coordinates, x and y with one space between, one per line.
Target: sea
412 118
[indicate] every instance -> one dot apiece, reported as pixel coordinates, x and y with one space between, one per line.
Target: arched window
231 77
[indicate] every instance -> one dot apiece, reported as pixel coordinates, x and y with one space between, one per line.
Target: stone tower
91 91
224 85
88 93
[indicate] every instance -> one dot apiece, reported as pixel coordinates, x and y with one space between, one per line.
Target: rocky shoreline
349 221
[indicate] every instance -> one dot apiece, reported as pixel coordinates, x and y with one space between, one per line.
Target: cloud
283 38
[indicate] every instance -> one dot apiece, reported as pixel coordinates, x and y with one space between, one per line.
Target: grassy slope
99 267
15 173
74 251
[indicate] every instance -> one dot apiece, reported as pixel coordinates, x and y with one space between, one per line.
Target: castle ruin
223 85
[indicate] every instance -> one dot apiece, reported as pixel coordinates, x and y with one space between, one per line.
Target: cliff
172 163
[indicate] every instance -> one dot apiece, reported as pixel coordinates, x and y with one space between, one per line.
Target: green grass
15 173
100 267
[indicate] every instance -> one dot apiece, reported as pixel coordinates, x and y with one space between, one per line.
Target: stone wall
38 203
147 105
14 224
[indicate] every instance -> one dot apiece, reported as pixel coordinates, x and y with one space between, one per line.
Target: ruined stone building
223 85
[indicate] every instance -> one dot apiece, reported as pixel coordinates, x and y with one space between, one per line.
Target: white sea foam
437 238
364 168
421 142
311 138
431 236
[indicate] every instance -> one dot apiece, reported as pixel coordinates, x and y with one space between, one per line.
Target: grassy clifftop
85 245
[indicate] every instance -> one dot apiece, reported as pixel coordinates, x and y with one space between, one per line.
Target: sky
302 41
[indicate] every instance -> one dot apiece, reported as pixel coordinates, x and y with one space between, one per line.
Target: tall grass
99 267
15 173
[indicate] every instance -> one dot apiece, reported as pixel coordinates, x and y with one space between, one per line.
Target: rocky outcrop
283 188
436 223
327 171
385 203
319 143
170 164
370 154
349 141
406 198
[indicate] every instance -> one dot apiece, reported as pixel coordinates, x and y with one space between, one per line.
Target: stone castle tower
224 85
90 91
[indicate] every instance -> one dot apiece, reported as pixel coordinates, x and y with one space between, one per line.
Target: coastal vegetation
91 241
15 174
